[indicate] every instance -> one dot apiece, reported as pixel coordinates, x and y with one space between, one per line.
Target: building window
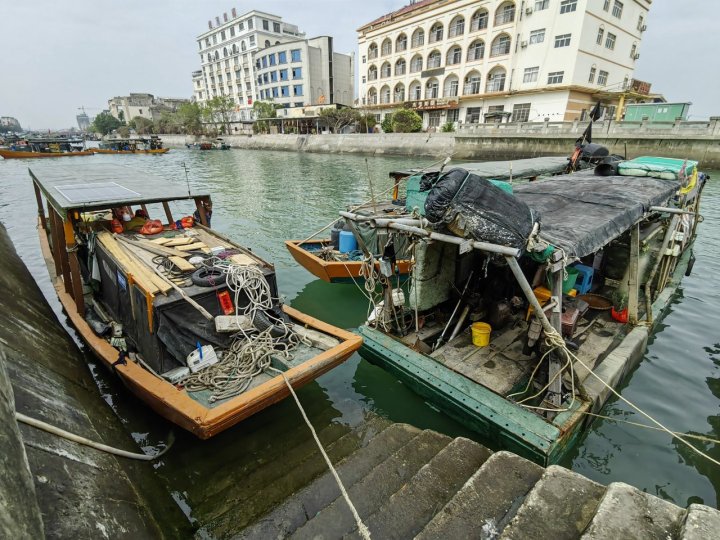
297 90
400 67
282 57
418 38
214 39
372 51
591 78
562 40
454 56
633 50
600 35
479 20
250 24
452 86
617 9
399 93
364 79
521 112
276 27
265 78
495 82
401 43
271 59
492 114
385 70
275 92
640 25
273 76
472 84
457 27
372 73
602 77
500 46
472 115
434 119
222 35
232 31
453 115
436 33
297 73
267 43
432 89
537 36
415 91
264 61
610 41
555 77
265 25
385 95
285 91
541 4
626 82
606 5
251 40
284 75
416 64
531 74
505 14
386 48
295 55
434 60
567 6
476 50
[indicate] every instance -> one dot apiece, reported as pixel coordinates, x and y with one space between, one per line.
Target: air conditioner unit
643 27
523 44
528 11
636 56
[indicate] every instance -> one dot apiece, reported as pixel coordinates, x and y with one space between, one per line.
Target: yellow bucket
481 334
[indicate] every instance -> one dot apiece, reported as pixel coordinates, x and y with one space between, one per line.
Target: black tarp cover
472 207
582 212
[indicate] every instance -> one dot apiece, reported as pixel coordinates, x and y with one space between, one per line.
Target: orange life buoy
187 222
152 226
116 226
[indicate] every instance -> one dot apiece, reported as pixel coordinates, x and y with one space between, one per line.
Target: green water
263 198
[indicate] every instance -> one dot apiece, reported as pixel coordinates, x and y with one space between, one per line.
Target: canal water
262 198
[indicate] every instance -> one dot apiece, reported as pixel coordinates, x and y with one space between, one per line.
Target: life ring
208 277
153 226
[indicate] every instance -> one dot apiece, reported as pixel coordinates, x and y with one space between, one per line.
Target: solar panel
85 193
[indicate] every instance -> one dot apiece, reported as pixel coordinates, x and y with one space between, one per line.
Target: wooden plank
182 264
192 247
179 241
161 241
147 245
41 211
127 264
201 210
633 274
62 253
71 253
144 269
168 213
243 260
205 313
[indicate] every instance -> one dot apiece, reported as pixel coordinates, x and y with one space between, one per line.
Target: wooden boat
51 147
498 276
332 271
139 145
158 318
323 259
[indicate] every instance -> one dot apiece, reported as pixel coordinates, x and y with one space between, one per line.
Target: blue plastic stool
584 279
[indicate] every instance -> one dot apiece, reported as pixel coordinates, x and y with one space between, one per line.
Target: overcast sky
60 55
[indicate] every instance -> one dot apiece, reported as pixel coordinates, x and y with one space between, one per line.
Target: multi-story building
473 61
305 72
226 56
125 108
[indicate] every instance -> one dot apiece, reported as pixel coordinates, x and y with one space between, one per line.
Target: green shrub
406 121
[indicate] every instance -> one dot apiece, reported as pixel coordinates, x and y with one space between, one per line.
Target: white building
147 106
481 61
226 56
305 72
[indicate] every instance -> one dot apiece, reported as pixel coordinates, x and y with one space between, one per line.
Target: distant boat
139 145
43 148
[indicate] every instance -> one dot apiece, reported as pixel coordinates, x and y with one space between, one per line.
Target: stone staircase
410 483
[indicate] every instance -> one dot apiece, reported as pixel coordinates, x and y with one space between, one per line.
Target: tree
189 117
263 111
367 122
406 121
386 124
337 119
142 126
121 116
218 110
104 123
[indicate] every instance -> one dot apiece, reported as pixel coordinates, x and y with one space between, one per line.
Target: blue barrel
335 238
347 242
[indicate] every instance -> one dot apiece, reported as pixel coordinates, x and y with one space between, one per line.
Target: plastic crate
583 284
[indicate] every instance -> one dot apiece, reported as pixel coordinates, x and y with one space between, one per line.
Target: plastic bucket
569 283
347 242
481 334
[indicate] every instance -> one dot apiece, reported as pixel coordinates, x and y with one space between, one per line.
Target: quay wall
51 487
693 140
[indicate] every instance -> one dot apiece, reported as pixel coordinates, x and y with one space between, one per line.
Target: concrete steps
407 483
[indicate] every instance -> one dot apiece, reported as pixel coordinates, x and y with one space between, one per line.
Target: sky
59 55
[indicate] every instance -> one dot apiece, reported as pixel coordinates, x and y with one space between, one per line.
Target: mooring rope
49 428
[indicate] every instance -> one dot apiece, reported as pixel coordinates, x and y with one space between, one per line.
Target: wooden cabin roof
102 185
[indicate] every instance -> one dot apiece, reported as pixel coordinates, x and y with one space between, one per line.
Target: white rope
39 424
362 528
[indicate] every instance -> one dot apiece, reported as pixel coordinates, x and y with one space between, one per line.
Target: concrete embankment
469 146
50 486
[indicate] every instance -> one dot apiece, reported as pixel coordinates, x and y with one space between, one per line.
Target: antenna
186 177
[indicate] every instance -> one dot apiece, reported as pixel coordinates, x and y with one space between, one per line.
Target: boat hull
108 151
175 404
19 154
503 424
332 271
